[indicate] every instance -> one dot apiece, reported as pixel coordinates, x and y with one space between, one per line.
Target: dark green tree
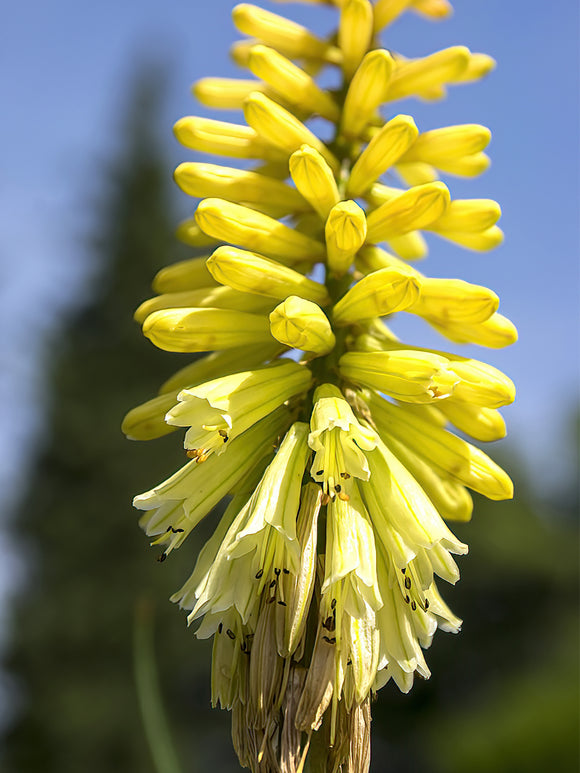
70 650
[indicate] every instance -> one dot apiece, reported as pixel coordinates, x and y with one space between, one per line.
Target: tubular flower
329 443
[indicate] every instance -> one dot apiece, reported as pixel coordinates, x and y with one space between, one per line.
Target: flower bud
302 325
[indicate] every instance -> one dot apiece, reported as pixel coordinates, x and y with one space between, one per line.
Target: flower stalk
330 441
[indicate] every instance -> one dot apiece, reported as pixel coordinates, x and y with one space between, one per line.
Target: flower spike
327 445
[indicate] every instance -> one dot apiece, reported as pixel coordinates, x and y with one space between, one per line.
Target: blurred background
87 212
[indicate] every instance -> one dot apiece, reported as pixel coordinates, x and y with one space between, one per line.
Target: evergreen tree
71 645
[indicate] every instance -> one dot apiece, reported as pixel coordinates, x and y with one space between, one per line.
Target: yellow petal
251 273
495 333
224 139
345 231
453 300
314 179
201 180
386 11
385 148
255 231
288 37
354 33
408 375
456 457
294 85
468 216
418 75
225 93
379 293
205 297
367 90
302 325
448 143
202 330
189 232
185 275
484 424
147 421
481 241
282 129
433 9
414 209
222 363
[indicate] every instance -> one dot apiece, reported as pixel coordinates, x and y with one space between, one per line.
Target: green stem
148 693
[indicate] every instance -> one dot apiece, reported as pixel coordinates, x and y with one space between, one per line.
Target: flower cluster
330 440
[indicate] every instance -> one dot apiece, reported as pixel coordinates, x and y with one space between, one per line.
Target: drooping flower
337 464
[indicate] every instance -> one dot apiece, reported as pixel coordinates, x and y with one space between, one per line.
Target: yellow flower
329 444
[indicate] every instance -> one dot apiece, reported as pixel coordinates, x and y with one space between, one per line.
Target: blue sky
65 68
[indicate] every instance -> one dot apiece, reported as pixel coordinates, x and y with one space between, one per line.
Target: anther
333 604
407 583
286 571
426 604
230 633
220 627
259 573
161 558
277 572
407 599
338 488
413 605
320 472
272 584
404 569
282 603
344 475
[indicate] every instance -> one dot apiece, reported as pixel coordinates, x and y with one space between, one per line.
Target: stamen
231 634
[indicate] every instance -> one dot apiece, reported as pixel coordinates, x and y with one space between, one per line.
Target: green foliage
70 649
